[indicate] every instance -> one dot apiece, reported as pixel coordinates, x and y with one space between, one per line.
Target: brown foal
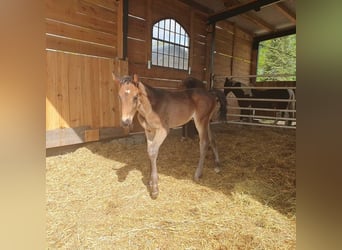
159 110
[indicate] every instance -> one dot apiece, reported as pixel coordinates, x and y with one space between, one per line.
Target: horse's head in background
129 97
237 92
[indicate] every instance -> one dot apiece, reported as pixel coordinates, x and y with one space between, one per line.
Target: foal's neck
147 99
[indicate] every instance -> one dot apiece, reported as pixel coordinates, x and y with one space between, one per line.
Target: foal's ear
135 78
115 78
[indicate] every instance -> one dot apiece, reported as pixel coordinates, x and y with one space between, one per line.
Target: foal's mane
126 80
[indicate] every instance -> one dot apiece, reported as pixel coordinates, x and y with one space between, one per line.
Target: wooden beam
124 28
286 12
258 21
250 16
197 6
68 136
280 33
239 9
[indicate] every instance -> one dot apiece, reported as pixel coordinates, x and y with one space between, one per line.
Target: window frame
170 45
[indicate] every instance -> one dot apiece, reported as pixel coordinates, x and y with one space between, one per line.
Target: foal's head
128 95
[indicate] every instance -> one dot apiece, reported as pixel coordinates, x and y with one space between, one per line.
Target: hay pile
97 196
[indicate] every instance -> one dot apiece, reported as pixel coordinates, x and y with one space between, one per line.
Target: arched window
170 45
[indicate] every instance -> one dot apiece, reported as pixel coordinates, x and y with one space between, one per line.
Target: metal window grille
170 45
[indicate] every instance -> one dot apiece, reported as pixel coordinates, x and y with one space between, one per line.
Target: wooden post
254 61
148 33
233 48
212 55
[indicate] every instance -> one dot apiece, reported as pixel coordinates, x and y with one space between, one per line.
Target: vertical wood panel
80 91
233 51
80 94
87 92
63 91
75 90
106 113
52 115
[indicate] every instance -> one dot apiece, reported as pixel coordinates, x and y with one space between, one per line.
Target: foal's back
176 108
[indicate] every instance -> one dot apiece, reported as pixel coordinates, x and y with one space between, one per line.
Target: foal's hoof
154 194
197 178
217 170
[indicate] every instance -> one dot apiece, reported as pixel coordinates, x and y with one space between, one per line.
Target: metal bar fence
263 116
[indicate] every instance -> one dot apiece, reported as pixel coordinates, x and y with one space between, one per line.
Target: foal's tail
223 103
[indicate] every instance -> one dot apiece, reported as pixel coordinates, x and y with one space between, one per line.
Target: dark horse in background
287 95
191 82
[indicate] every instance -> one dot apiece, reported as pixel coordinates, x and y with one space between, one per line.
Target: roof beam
288 13
258 21
239 9
251 16
197 6
280 33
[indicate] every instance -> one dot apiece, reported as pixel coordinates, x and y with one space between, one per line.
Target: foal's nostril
126 122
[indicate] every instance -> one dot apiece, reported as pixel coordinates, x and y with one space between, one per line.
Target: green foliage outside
277 56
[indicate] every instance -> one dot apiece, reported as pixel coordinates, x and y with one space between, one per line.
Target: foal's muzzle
126 122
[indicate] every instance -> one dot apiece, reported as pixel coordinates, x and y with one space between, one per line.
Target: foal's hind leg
214 148
202 128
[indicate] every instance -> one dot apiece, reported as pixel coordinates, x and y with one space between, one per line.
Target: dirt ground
97 195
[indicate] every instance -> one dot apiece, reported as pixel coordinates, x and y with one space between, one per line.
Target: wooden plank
243 35
158 83
87 93
192 31
91 135
108 4
148 33
119 29
62 93
75 46
137 28
112 132
224 36
66 11
286 12
96 107
64 136
114 90
136 51
243 50
75 91
222 65
157 72
79 32
175 9
69 136
106 88
95 11
241 68
138 8
224 47
52 115
225 25
120 67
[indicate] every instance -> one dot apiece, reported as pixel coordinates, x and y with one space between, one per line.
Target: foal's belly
180 116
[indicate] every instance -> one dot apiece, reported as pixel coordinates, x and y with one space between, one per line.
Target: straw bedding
97 196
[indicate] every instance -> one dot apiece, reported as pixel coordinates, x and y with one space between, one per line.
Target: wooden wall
83 41
233 52
84 44
142 15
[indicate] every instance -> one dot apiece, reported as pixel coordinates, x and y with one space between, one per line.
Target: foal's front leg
154 140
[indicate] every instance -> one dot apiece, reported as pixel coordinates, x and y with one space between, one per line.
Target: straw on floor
97 196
